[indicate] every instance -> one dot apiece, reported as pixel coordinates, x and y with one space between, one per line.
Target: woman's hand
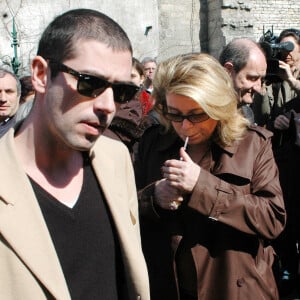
166 196
181 174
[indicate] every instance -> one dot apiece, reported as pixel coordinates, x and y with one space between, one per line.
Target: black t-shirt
85 241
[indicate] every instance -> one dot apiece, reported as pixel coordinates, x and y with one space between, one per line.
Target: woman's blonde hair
201 77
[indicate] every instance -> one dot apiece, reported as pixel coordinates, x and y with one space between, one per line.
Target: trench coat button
240 282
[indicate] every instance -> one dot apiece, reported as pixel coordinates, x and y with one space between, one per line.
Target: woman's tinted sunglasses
193 118
92 86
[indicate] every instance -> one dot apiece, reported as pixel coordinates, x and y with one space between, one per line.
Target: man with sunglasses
69 222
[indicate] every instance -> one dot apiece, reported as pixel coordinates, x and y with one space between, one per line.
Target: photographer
281 108
282 86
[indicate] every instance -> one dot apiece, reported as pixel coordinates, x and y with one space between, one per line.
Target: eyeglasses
92 86
193 118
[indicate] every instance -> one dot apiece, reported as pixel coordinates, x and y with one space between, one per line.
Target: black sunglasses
92 86
193 118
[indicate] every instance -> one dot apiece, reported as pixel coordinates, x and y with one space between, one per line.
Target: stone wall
219 21
157 28
279 14
32 16
251 18
179 27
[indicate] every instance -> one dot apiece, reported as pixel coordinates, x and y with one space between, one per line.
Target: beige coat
29 266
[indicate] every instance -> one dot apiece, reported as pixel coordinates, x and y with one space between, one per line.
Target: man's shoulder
7 139
7 124
106 142
109 149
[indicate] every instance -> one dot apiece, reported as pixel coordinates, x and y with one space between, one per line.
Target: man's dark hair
26 87
136 64
295 33
237 52
58 40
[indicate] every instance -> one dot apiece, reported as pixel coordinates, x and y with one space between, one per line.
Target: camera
273 51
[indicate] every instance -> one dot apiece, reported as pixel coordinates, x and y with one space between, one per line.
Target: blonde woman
208 211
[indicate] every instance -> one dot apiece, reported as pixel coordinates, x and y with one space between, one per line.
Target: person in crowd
69 212
287 245
282 114
246 63
24 110
138 78
268 107
127 124
150 66
26 99
208 212
27 90
10 91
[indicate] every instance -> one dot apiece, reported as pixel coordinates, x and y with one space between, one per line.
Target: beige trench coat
29 266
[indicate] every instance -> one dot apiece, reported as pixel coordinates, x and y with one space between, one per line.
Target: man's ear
40 73
229 68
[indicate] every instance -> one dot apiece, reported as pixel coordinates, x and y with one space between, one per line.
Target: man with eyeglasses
69 222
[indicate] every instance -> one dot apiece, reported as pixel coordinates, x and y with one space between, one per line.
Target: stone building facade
157 28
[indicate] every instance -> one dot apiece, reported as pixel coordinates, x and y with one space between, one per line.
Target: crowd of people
132 179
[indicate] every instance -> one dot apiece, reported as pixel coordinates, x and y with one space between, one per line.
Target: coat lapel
22 224
110 179
114 171
115 174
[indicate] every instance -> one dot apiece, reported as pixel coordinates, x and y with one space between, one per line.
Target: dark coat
221 232
287 156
